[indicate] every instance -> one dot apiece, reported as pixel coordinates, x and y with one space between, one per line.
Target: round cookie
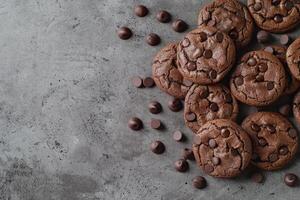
275 15
205 55
296 107
205 103
229 16
165 72
293 58
292 83
259 79
222 148
274 139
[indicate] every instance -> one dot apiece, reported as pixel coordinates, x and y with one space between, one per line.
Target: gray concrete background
65 98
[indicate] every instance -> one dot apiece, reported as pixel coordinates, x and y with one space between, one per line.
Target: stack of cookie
203 69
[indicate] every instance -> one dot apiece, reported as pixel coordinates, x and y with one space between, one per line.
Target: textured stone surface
66 97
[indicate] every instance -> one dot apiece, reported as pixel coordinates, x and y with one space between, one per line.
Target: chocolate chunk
191 117
140 11
179 26
263 67
188 154
255 127
292 133
228 98
290 179
263 36
284 39
178 136
225 132
262 142
207 54
270 85
135 123
213 74
273 157
257 177
199 182
283 150
276 2
216 161
157 147
175 105
271 128
285 110
257 6
278 18
219 37
289 5
137 82
212 143
181 165
214 107
203 36
124 33
156 124
163 16
155 107
259 78
251 62
153 39
233 34
239 81
269 49
191 66
148 82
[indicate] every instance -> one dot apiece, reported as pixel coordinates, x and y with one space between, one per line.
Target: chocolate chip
137 82
219 37
276 2
214 107
188 154
270 85
175 105
208 168
199 182
269 49
233 34
163 16
197 140
153 39
155 107
262 36
228 98
283 150
191 66
203 94
148 82
257 6
225 132
239 81
289 5
124 33
156 124
202 36
135 124
273 157
185 42
212 143
190 117
251 62
290 179
271 128
285 110
284 39
234 152
187 83
255 127
157 147
213 74
262 142
178 136
181 165
207 54
140 11
179 26
259 78
292 133
262 67
278 18
216 161
257 177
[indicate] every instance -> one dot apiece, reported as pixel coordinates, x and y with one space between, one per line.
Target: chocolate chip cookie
275 15
165 72
274 139
222 148
259 79
205 55
205 103
231 17
292 83
296 107
293 58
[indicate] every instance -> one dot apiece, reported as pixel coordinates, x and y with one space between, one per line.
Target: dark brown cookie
229 16
222 148
205 55
205 103
292 83
274 139
296 107
293 58
165 72
259 79
275 15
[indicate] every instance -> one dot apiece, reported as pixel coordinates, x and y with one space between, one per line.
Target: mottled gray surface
66 98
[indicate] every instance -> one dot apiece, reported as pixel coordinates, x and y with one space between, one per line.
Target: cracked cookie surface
222 148
205 103
259 79
292 84
229 16
205 55
293 58
165 72
274 139
275 16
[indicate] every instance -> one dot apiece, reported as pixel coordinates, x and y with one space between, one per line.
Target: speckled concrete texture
66 97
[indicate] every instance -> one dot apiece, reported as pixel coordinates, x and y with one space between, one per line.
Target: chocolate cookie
228 16
222 148
259 79
292 83
293 58
274 139
205 55
165 72
296 107
205 103
275 15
